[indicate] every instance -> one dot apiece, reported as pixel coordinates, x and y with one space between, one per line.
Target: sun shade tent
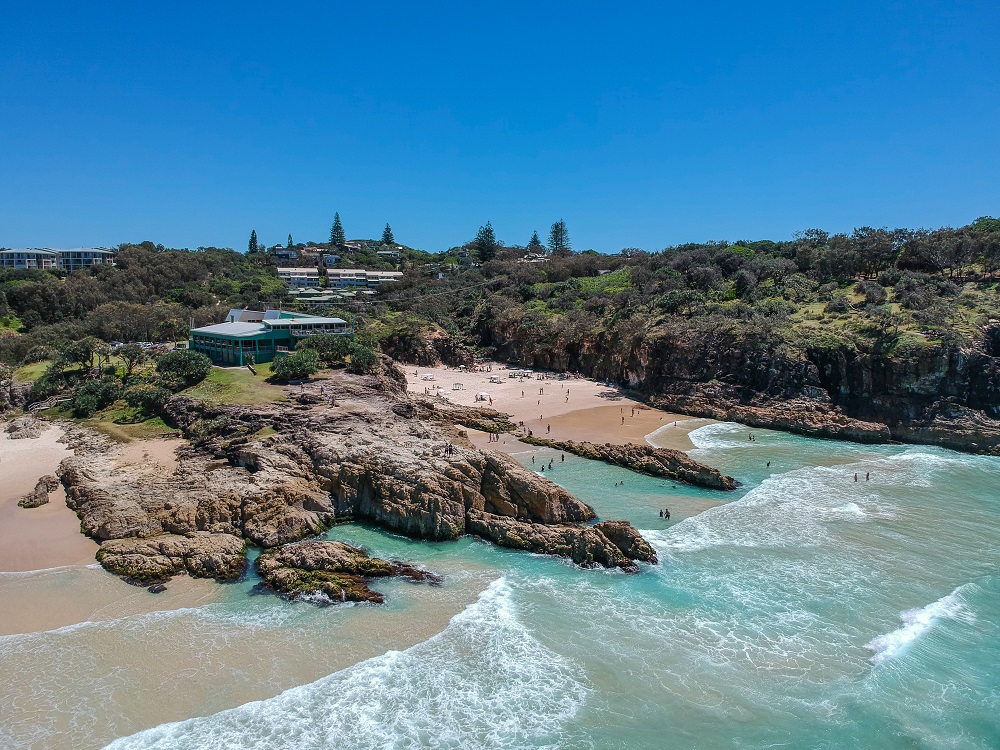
458 386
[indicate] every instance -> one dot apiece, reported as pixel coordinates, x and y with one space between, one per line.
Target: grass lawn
234 385
32 372
126 433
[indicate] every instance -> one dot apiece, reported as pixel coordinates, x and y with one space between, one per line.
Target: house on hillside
262 336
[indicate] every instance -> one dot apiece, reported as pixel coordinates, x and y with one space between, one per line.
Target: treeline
872 288
152 293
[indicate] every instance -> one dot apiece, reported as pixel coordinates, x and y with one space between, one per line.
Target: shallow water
803 610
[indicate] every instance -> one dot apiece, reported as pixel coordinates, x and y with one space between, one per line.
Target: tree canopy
559 243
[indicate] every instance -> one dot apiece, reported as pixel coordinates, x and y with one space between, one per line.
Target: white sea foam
719 436
916 623
468 686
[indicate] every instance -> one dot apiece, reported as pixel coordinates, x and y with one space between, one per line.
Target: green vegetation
337 237
237 386
297 366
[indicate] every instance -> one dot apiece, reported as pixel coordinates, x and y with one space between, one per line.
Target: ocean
805 610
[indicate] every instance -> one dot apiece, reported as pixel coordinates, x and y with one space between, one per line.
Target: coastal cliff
273 475
943 395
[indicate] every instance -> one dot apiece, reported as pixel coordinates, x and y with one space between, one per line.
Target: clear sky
639 124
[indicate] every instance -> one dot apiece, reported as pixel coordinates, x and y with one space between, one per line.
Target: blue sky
639 124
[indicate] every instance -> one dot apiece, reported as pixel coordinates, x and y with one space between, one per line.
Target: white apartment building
299 278
342 278
44 257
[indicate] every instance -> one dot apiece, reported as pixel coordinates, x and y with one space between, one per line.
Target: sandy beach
44 537
571 409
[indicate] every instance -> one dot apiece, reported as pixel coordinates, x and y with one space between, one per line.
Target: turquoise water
803 611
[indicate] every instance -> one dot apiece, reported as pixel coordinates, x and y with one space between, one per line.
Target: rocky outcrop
645 459
26 428
328 572
39 495
156 559
378 455
584 545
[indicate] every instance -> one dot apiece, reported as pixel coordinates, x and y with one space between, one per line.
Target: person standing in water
855 476
666 513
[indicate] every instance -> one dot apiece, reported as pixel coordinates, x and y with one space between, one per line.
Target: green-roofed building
250 336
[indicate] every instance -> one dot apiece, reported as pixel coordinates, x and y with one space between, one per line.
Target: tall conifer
337 237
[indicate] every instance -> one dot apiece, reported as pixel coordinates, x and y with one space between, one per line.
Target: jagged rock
156 559
645 459
584 545
624 536
328 572
26 427
39 495
377 455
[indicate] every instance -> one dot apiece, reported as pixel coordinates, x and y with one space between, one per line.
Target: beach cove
776 608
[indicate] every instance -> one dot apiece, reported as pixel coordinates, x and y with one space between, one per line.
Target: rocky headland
278 474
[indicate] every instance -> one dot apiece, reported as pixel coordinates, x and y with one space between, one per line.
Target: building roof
232 329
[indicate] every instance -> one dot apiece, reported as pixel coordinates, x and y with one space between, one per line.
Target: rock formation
378 455
39 495
26 428
328 572
645 459
156 559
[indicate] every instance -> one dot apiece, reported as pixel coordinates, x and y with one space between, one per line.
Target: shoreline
576 408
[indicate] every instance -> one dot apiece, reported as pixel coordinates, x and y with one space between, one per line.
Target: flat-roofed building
359 278
299 278
49 258
254 336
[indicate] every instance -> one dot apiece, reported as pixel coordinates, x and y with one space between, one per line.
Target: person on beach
548 429
661 514
522 394
562 456
855 477
666 513
491 401
623 420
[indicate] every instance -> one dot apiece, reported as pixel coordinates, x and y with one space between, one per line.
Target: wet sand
44 537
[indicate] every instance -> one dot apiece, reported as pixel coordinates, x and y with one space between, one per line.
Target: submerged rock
329 572
39 495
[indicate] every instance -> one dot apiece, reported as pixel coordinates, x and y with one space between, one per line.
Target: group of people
665 513
494 437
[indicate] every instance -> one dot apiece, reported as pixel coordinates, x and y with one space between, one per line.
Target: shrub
147 398
332 349
301 364
92 395
182 368
38 354
364 361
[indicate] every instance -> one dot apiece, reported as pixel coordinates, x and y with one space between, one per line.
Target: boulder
39 495
327 572
156 559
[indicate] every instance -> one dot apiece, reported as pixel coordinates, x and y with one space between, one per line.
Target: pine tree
290 243
387 238
535 245
337 237
559 243
486 243
253 247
